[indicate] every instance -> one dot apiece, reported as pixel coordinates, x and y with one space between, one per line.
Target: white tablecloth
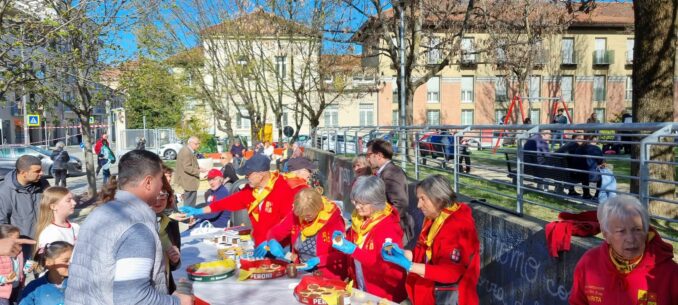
233 292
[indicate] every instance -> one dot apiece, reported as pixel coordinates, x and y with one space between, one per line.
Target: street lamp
401 51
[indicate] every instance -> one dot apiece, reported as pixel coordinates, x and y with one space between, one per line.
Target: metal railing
509 168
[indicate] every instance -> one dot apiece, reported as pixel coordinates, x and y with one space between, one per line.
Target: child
56 205
49 288
11 269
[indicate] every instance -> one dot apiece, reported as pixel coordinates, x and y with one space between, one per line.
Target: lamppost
403 88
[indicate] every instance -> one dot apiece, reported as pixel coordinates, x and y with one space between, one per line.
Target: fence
154 138
529 167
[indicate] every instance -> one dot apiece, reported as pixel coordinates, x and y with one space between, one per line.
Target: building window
501 52
243 123
499 115
535 116
468 50
500 90
433 117
467 117
566 87
434 50
629 51
394 86
394 118
366 115
280 66
467 89
567 51
600 114
433 90
598 88
600 55
331 115
285 118
629 88
535 87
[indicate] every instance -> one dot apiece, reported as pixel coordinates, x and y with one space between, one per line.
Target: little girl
55 206
49 288
11 269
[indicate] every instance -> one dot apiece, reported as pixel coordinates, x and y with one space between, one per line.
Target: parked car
336 144
170 151
9 155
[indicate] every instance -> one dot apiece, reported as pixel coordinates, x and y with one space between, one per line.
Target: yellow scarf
362 226
319 222
261 194
625 266
436 226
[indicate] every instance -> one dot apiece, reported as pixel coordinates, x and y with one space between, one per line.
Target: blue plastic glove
275 248
260 250
397 256
346 246
311 263
190 211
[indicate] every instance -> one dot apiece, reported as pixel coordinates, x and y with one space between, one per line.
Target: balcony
629 58
568 58
468 60
603 57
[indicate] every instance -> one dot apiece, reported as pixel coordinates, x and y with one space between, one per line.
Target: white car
170 151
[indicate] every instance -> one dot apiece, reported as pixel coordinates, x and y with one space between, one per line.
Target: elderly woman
632 266
309 227
373 223
445 265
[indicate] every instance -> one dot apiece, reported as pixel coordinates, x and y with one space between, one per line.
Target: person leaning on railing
632 266
445 265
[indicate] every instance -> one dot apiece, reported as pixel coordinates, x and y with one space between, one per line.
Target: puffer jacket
5 269
19 205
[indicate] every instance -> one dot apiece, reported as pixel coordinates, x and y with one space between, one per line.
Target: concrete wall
515 266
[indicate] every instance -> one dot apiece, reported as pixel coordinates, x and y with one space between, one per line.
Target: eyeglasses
162 196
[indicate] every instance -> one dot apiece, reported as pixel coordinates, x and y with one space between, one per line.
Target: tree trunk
653 86
89 156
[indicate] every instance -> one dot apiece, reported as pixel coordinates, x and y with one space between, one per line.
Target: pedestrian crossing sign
33 120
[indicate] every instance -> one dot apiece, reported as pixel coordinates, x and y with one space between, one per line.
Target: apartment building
278 61
588 67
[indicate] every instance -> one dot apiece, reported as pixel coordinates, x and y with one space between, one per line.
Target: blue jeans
107 174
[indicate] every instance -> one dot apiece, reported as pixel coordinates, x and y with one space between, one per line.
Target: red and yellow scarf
362 226
433 227
312 228
261 194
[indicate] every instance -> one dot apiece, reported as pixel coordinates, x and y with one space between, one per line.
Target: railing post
416 155
644 170
519 167
358 149
456 157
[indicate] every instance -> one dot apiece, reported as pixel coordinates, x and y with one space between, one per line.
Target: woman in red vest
632 266
373 223
310 226
445 265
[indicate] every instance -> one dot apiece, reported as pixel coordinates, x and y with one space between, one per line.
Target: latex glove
346 246
261 249
311 263
397 256
275 248
190 211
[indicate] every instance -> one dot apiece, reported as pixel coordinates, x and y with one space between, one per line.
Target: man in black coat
379 154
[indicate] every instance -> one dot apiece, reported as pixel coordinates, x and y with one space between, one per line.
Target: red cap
213 173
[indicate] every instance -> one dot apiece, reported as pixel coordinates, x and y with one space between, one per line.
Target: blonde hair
50 196
307 200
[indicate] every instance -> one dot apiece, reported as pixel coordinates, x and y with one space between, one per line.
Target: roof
259 23
602 15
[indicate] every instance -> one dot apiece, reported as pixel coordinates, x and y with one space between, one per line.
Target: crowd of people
426 251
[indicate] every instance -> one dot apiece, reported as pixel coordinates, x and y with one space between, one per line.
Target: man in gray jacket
118 258
20 195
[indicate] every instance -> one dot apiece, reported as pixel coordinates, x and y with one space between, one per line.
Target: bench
538 174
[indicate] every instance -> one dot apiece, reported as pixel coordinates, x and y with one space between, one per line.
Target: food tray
312 288
221 269
265 272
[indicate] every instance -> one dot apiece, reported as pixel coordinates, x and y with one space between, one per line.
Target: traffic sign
91 120
33 120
